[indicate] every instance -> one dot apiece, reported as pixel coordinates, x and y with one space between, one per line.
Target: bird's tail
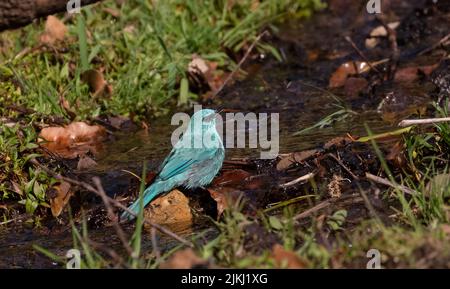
149 194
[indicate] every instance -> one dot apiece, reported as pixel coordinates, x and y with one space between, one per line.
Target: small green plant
18 179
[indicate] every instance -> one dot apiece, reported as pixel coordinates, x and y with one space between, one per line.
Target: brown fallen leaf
410 74
338 141
16 188
287 161
97 83
347 69
74 140
85 163
202 71
354 86
231 178
396 155
171 210
59 197
286 259
184 259
225 197
55 30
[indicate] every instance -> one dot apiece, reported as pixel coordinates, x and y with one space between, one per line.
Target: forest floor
85 122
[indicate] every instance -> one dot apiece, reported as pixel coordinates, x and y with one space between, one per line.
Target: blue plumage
193 162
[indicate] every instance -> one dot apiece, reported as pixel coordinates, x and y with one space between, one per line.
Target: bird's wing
180 160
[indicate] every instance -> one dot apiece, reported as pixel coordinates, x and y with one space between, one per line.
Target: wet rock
441 77
171 210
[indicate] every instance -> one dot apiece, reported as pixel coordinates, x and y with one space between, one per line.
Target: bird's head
207 117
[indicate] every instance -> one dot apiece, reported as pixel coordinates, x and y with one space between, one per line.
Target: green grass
417 234
144 52
19 181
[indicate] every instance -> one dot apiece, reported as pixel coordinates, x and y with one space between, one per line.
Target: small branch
355 177
97 246
17 13
392 36
408 122
246 55
436 45
155 243
114 202
386 182
298 180
349 40
112 216
352 199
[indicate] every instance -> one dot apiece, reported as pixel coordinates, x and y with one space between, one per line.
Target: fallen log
17 13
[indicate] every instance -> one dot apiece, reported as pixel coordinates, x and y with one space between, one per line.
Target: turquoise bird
193 162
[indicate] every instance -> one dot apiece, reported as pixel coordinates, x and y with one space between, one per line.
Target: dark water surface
294 88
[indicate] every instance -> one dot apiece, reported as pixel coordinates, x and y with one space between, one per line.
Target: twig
392 36
114 202
349 40
298 180
238 162
286 203
112 216
434 46
354 198
408 122
355 177
155 243
247 53
389 184
369 205
97 246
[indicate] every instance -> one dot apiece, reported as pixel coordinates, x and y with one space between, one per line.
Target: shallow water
293 88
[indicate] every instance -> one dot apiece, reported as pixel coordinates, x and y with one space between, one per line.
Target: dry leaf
16 188
287 161
202 71
355 85
286 259
339 141
184 259
225 197
60 198
85 162
55 30
97 83
347 69
231 178
410 74
396 155
74 140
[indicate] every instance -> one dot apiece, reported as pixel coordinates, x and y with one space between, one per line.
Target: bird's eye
209 117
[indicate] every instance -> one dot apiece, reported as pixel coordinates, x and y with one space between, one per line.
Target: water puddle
295 88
